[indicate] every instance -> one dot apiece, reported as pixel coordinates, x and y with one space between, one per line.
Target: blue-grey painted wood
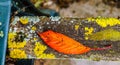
5 6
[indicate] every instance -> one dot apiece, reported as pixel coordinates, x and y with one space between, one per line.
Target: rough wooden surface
68 27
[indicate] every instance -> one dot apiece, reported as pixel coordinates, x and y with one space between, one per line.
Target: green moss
108 34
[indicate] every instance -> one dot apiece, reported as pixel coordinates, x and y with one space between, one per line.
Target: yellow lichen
16 44
86 38
88 31
39 48
11 36
12 43
17 53
35 39
39 51
24 20
33 28
104 22
76 27
46 56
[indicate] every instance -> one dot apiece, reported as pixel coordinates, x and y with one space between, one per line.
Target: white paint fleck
10 30
26 39
29 35
0 23
47 23
40 27
57 18
1 34
52 22
15 29
28 27
22 31
30 56
32 31
34 19
72 21
59 22
15 20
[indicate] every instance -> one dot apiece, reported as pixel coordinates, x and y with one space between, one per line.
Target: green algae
108 34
